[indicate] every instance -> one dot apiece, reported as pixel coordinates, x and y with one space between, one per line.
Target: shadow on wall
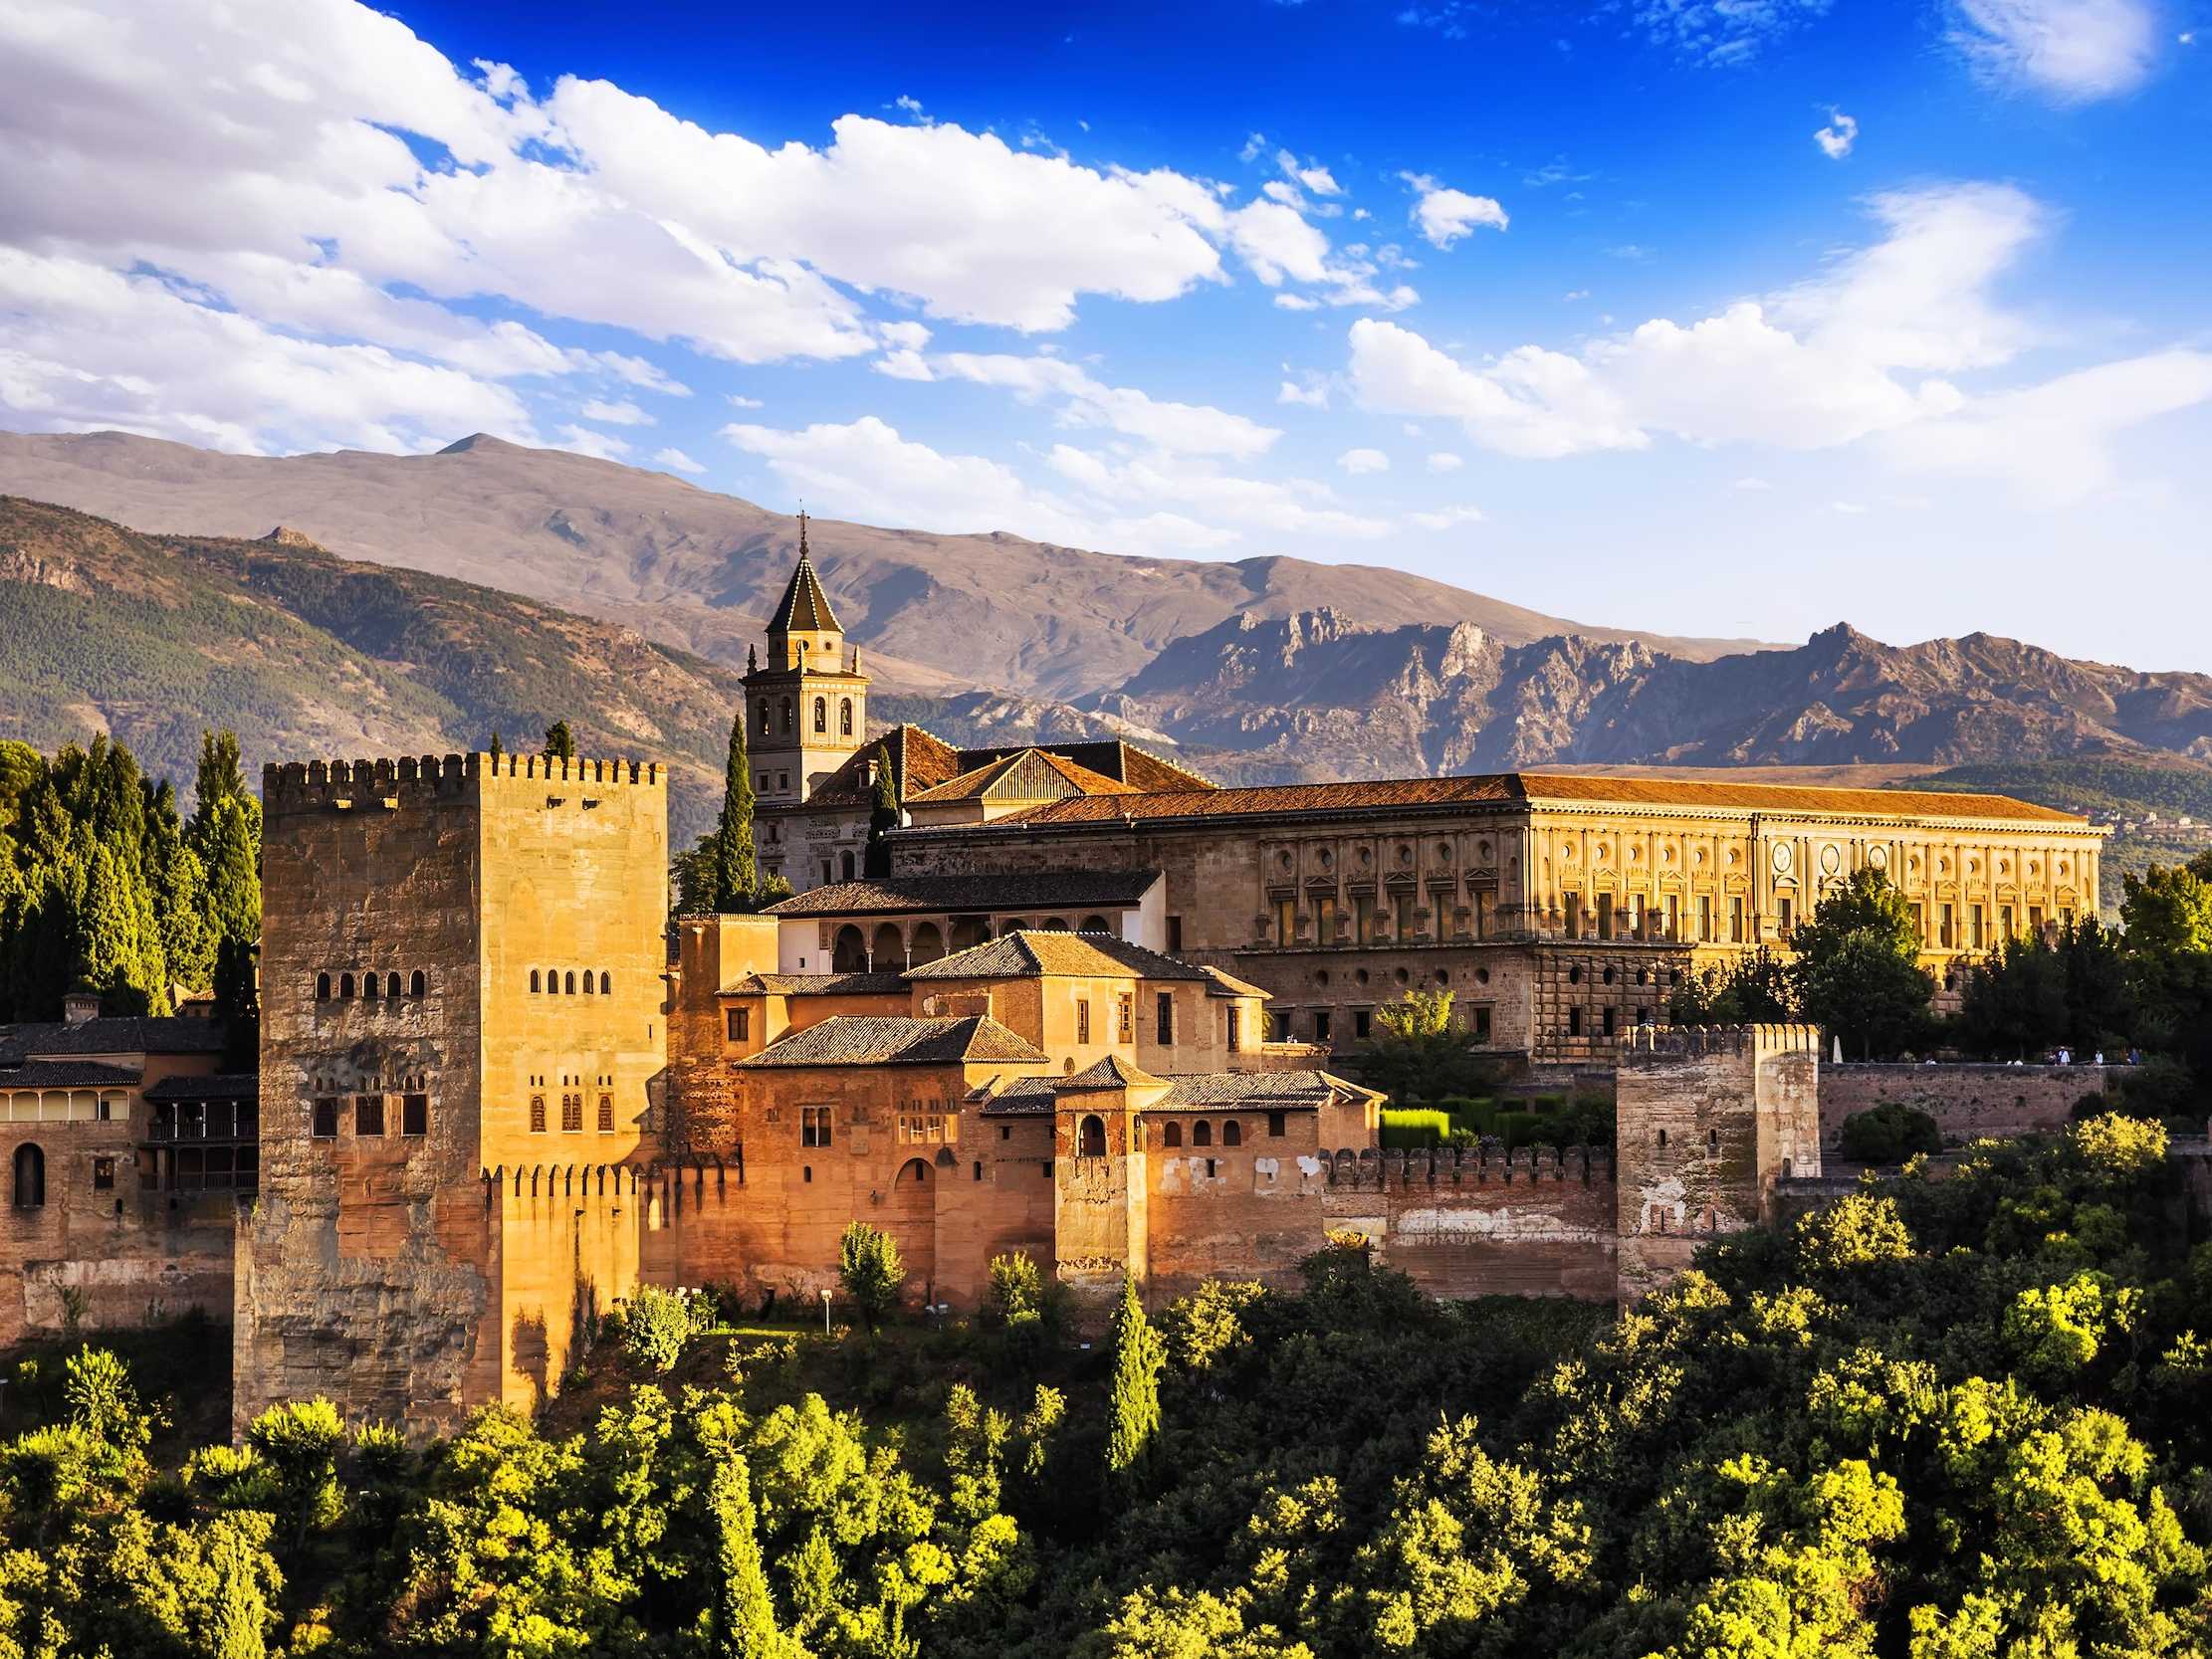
584 1314
530 1350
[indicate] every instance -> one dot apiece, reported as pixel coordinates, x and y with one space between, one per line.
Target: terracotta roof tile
1107 1074
1273 1091
1027 952
892 1040
17 1072
1785 797
821 984
118 1034
223 1086
804 608
1072 890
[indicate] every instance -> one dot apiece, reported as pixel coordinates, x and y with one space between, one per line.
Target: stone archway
969 930
927 944
910 1217
850 953
888 954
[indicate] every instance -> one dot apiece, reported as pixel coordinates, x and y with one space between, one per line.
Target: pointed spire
806 608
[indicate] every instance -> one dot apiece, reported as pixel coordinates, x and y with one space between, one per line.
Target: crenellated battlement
1654 1044
321 785
1489 1162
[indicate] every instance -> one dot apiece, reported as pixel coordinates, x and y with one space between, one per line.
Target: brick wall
1966 1101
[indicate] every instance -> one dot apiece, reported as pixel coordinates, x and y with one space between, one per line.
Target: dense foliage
105 888
1938 1419
718 874
1421 1052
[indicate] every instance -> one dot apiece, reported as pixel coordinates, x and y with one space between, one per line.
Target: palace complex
1096 1010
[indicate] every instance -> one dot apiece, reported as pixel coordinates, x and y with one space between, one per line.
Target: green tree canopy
1857 972
561 742
883 816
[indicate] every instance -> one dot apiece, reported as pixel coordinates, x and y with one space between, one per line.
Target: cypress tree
884 818
237 1005
729 850
221 777
231 861
1134 1408
746 1625
241 1611
561 742
497 748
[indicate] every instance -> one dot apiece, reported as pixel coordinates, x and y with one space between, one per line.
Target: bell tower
807 707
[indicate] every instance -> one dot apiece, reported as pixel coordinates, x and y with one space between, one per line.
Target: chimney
80 1006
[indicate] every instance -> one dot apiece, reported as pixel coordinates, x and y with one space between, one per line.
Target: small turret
804 632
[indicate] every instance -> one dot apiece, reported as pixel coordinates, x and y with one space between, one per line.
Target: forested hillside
1938 1419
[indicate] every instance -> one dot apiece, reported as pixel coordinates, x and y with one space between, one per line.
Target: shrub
1410 1128
1021 1305
869 1268
656 1324
102 1402
1890 1133
2116 1146
1858 1230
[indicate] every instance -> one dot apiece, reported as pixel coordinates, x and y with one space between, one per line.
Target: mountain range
415 602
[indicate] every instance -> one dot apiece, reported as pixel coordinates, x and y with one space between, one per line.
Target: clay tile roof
118 1034
819 984
1107 1074
1072 890
1271 1091
1029 774
893 1040
804 608
1227 984
1020 1097
1786 797
223 1086
17 1072
1028 952
1515 789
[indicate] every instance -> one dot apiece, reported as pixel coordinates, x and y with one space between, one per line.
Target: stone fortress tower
463 1041
1711 1119
807 715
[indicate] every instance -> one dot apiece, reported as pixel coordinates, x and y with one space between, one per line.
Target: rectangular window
764 782
1166 1018
1574 1022
105 1111
1082 1019
1605 916
1174 935
1974 927
1126 1015
1704 919
741 1025
783 780
1362 918
369 1115
571 1114
2004 920
2035 919
1785 916
415 1114
1735 921
1363 1023
1943 925
103 1174
1486 909
1573 904
1235 1028
1324 918
1482 1022
1283 1025
813 1126
1286 921
1674 916
1404 905
326 1118
1321 1025
607 1113
1611 1016
1275 1124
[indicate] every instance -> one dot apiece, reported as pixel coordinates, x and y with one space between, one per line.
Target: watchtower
462 969
1710 1119
1101 1226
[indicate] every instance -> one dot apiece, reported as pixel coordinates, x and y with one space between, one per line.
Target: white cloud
1448 518
1444 215
600 446
904 365
911 107
624 413
1444 461
1865 351
1154 504
2073 51
1359 461
738 401
1837 137
1185 428
678 460
1722 33
1312 395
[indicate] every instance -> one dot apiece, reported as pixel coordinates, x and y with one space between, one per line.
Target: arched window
844 716
1096 924
607 981
1712 1141
419 985
764 717
1172 1136
822 715
569 989
30 1177
1663 1138
552 982
538 1114
322 988
849 953
368 986
1232 1133
787 709
1201 1133
1091 1139
590 988
344 985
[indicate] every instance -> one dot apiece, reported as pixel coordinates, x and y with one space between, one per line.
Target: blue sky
1717 316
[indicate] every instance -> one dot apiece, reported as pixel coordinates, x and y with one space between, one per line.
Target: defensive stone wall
1967 1102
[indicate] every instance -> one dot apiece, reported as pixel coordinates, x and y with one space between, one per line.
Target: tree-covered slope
304 653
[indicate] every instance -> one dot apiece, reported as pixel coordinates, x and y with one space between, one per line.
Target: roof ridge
1173 765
